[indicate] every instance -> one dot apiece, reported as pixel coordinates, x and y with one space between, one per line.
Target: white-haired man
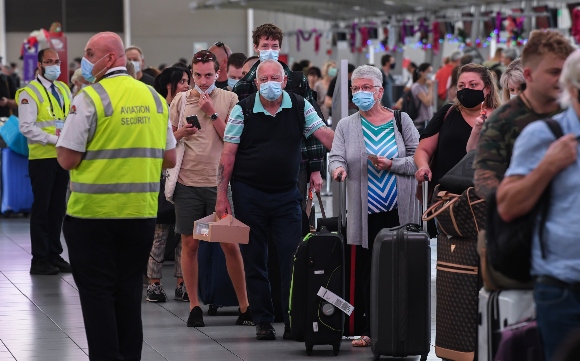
263 136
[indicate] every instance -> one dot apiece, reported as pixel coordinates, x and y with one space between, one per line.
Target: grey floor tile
41 318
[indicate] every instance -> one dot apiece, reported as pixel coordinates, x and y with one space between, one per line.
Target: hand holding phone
193 120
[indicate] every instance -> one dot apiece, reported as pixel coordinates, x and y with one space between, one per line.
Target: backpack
410 105
509 244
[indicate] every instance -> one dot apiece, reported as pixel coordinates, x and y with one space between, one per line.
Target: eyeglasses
203 56
364 88
52 62
219 44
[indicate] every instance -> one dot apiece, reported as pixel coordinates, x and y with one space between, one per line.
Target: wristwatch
214 116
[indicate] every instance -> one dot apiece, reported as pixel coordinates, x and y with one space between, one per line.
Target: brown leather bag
458 215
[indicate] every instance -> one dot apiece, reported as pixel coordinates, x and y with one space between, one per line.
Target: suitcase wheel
212 311
309 348
335 349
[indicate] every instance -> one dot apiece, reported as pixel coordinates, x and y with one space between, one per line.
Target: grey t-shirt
425 112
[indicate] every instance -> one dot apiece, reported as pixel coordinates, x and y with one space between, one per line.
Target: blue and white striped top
382 187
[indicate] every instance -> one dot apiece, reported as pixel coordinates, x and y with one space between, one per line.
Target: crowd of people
248 135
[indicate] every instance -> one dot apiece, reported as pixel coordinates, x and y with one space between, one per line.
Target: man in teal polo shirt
262 158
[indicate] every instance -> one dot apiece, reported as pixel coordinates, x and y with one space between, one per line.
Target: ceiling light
388 2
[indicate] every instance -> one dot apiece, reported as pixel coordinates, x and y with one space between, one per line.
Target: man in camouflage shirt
542 59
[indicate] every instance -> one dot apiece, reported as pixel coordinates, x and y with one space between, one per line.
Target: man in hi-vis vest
43 106
115 142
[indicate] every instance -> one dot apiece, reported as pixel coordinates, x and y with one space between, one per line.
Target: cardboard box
228 230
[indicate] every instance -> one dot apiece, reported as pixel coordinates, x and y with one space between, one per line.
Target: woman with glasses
376 159
169 83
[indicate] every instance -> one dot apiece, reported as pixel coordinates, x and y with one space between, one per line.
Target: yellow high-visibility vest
49 112
119 174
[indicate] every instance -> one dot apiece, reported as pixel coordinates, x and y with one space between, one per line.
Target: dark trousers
376 222
49 182
281 213
107 258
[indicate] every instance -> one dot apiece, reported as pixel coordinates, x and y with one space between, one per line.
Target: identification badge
59 125
333 299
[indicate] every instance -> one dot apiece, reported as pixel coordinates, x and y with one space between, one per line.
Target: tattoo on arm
220 174
486 182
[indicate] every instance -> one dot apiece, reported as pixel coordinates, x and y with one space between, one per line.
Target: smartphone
193 120
372 157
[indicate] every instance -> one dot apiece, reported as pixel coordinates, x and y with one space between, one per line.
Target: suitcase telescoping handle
341 203
425 198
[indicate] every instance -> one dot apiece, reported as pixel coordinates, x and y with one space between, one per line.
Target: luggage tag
336 301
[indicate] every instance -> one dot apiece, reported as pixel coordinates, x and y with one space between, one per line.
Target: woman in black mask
455 127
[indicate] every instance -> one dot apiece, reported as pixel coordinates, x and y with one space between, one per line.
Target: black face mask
470 98
393 65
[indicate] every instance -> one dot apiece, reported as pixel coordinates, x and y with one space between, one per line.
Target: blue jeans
281 213
558 313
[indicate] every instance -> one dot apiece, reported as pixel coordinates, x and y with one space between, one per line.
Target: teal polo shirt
235 125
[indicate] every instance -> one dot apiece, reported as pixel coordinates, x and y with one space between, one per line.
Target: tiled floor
40 319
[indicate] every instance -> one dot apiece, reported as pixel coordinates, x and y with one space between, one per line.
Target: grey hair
570 77
455 56
510 53
368 72
77 75
270 61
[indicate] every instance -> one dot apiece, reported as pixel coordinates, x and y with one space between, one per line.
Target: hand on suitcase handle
339 174
423 174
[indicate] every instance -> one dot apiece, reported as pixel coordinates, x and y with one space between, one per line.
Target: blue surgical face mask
87 69
364 100
332 72
269 54
52 72
208 91
136 65
271 90
232 82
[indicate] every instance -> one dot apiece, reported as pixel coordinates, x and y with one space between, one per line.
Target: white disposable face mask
513 96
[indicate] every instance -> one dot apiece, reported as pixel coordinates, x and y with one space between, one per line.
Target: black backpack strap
398 121
297 77
299 100
247 105
544 201
555 128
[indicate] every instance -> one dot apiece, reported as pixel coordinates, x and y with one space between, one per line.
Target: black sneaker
265 331
287 333
195 318
155 293
43 268
245 319
181 293
61 264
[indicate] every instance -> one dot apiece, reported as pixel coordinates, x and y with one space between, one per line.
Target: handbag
173 173
460 177
458 215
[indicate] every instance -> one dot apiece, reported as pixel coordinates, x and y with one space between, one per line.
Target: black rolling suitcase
401 292
318 269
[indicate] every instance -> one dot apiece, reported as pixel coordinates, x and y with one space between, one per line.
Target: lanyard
115 73
50 101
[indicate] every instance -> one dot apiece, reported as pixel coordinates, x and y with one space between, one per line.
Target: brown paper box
228 230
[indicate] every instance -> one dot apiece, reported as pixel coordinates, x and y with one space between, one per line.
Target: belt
551 281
